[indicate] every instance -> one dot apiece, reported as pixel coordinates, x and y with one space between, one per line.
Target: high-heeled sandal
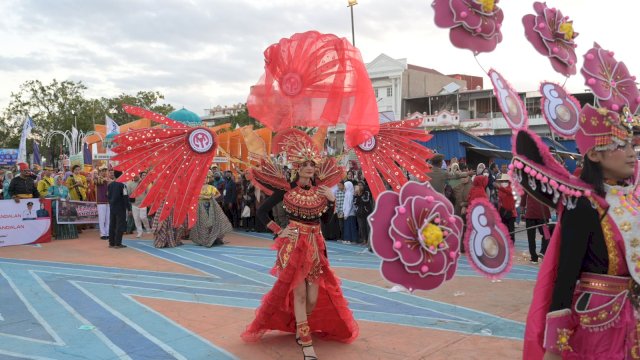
308 357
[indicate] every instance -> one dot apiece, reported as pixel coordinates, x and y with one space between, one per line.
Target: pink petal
395 272
464 40
443 14
382 243
473 19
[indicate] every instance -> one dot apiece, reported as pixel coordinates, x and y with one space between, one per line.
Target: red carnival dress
298 260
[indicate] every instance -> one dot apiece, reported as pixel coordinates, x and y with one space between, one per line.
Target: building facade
395 81
220 113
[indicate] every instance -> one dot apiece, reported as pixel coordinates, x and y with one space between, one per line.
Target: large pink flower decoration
552 35
417 236
474 24
610 80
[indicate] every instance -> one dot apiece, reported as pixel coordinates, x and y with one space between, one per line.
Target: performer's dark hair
592 174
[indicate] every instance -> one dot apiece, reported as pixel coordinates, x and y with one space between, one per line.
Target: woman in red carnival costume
306 297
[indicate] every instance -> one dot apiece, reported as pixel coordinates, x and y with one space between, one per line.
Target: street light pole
351 4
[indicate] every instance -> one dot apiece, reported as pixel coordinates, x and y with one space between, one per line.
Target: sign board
8 156
101 156
77 212
77 159
26 222
221 159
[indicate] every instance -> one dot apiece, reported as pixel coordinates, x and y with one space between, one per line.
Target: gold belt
607 284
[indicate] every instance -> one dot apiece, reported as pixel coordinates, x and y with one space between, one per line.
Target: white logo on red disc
368 145
201 140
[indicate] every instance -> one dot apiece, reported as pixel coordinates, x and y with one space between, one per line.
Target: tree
58 105
242 118
144 99
62 105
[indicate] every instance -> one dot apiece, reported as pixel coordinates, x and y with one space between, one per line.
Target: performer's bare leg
300 312
312 297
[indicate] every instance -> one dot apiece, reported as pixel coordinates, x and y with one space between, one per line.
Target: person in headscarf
77 184
481 169
211 224
8 176
350 223
59 192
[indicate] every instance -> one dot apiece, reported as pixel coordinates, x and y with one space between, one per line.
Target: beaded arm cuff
560 325
275 228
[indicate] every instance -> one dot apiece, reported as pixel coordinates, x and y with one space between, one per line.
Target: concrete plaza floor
77 299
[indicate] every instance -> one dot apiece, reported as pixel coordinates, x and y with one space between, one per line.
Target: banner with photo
8 156
26 222
76 212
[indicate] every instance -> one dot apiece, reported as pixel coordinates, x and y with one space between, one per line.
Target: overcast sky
202 53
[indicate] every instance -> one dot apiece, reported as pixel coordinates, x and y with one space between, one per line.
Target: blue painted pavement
51 310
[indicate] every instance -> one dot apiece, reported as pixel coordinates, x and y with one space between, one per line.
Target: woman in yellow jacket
77 184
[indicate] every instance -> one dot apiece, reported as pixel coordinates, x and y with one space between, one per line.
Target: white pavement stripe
23 356
120 354
127 321
34 312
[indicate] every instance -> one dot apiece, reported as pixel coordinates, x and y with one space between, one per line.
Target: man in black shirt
119 205
23 186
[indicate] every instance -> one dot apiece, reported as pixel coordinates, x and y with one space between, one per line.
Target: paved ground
77 299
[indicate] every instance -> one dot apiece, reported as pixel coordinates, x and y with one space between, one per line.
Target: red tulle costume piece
331 319
314 80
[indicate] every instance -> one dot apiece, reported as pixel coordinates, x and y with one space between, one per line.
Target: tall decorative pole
351 4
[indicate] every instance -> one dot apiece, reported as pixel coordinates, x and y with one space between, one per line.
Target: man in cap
45 182
23 186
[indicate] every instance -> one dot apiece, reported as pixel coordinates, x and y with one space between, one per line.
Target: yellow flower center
563 339
566 28
488 5
432 235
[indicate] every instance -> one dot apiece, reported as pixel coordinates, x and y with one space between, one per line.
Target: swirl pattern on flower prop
610 80
552 35
510 102
560 109
417 236
489 247
313 80
473 24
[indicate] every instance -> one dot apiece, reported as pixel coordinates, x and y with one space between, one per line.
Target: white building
395 81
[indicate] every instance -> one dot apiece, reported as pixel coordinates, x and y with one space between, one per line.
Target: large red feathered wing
391 152
177 159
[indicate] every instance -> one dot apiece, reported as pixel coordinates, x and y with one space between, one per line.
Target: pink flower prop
474 24
417 236
610 80
552 35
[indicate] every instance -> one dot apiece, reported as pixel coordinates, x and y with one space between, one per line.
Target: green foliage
144 99
242 119
61 105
